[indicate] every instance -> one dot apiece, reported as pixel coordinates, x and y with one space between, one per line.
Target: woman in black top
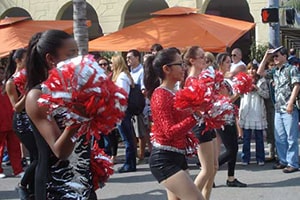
65 162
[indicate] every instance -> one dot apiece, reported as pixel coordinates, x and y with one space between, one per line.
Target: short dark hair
156 47
135 53
283 51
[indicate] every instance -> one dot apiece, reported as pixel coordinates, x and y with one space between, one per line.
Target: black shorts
164 164
203 137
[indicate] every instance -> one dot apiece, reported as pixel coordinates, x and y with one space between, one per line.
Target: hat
277 49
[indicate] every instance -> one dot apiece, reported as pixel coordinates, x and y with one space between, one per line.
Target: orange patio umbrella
15 32
175 27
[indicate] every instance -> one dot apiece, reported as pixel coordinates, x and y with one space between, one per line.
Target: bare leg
142 146
209 184
206 157
181 186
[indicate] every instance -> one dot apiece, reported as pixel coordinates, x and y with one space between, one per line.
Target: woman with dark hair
228 134
170 126
207 152
64 163
155 48
21 123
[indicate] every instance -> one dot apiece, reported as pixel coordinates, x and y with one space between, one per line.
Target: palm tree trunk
80 27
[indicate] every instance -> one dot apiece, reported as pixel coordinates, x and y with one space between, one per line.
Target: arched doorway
95 30
15 12
138 10
235 10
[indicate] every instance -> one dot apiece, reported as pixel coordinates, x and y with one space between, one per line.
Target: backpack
136 100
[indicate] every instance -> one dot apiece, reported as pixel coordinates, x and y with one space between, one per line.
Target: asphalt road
264 183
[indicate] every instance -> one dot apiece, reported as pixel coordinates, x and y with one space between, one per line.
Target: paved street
263 184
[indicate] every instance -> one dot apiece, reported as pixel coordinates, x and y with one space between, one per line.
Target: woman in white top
253 117
122 78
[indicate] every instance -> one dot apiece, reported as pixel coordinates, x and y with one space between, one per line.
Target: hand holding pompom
80 83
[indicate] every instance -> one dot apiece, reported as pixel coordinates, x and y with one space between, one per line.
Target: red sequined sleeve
169 123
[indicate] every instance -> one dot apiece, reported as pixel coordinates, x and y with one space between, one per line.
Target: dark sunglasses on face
275 56
233 55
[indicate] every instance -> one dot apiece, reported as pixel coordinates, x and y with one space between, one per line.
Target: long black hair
153 72
41 44
12 64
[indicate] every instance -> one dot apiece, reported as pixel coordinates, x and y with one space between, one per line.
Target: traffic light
269 15
290 16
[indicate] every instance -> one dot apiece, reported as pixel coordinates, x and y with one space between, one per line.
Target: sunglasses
275 56
103 64
182 64
233 55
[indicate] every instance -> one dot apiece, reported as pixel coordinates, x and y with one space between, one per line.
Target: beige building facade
111 15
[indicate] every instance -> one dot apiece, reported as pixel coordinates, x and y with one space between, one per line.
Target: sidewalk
264 183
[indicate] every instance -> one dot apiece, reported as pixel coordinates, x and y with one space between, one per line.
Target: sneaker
20 175
290 169
235 183
125 169
261 163
2 175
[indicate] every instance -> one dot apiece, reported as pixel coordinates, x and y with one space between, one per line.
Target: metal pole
274 28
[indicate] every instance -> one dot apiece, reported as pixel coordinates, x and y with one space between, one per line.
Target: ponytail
12 64
35 66
151 79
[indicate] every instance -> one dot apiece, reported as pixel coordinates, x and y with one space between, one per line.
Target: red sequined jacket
170 126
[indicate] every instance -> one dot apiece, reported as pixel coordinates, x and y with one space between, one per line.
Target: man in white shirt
137 72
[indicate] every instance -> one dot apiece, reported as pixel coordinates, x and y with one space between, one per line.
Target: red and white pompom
80 88
202 94
20 80
101 167
221 110
194 96
242 83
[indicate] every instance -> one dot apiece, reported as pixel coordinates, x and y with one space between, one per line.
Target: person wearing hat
287 85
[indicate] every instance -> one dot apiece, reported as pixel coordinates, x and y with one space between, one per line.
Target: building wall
112 12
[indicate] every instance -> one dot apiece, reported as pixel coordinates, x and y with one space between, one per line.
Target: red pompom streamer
202 94
192 144
242 83
20 80
101 167
80 88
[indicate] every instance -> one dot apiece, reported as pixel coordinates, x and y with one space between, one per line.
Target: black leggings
229 139
24 131
41 170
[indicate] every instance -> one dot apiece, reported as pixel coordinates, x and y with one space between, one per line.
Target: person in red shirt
7 135
170 126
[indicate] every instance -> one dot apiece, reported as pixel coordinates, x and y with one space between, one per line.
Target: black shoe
235 183
23 192
290 169
279 166
124 169
240 140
